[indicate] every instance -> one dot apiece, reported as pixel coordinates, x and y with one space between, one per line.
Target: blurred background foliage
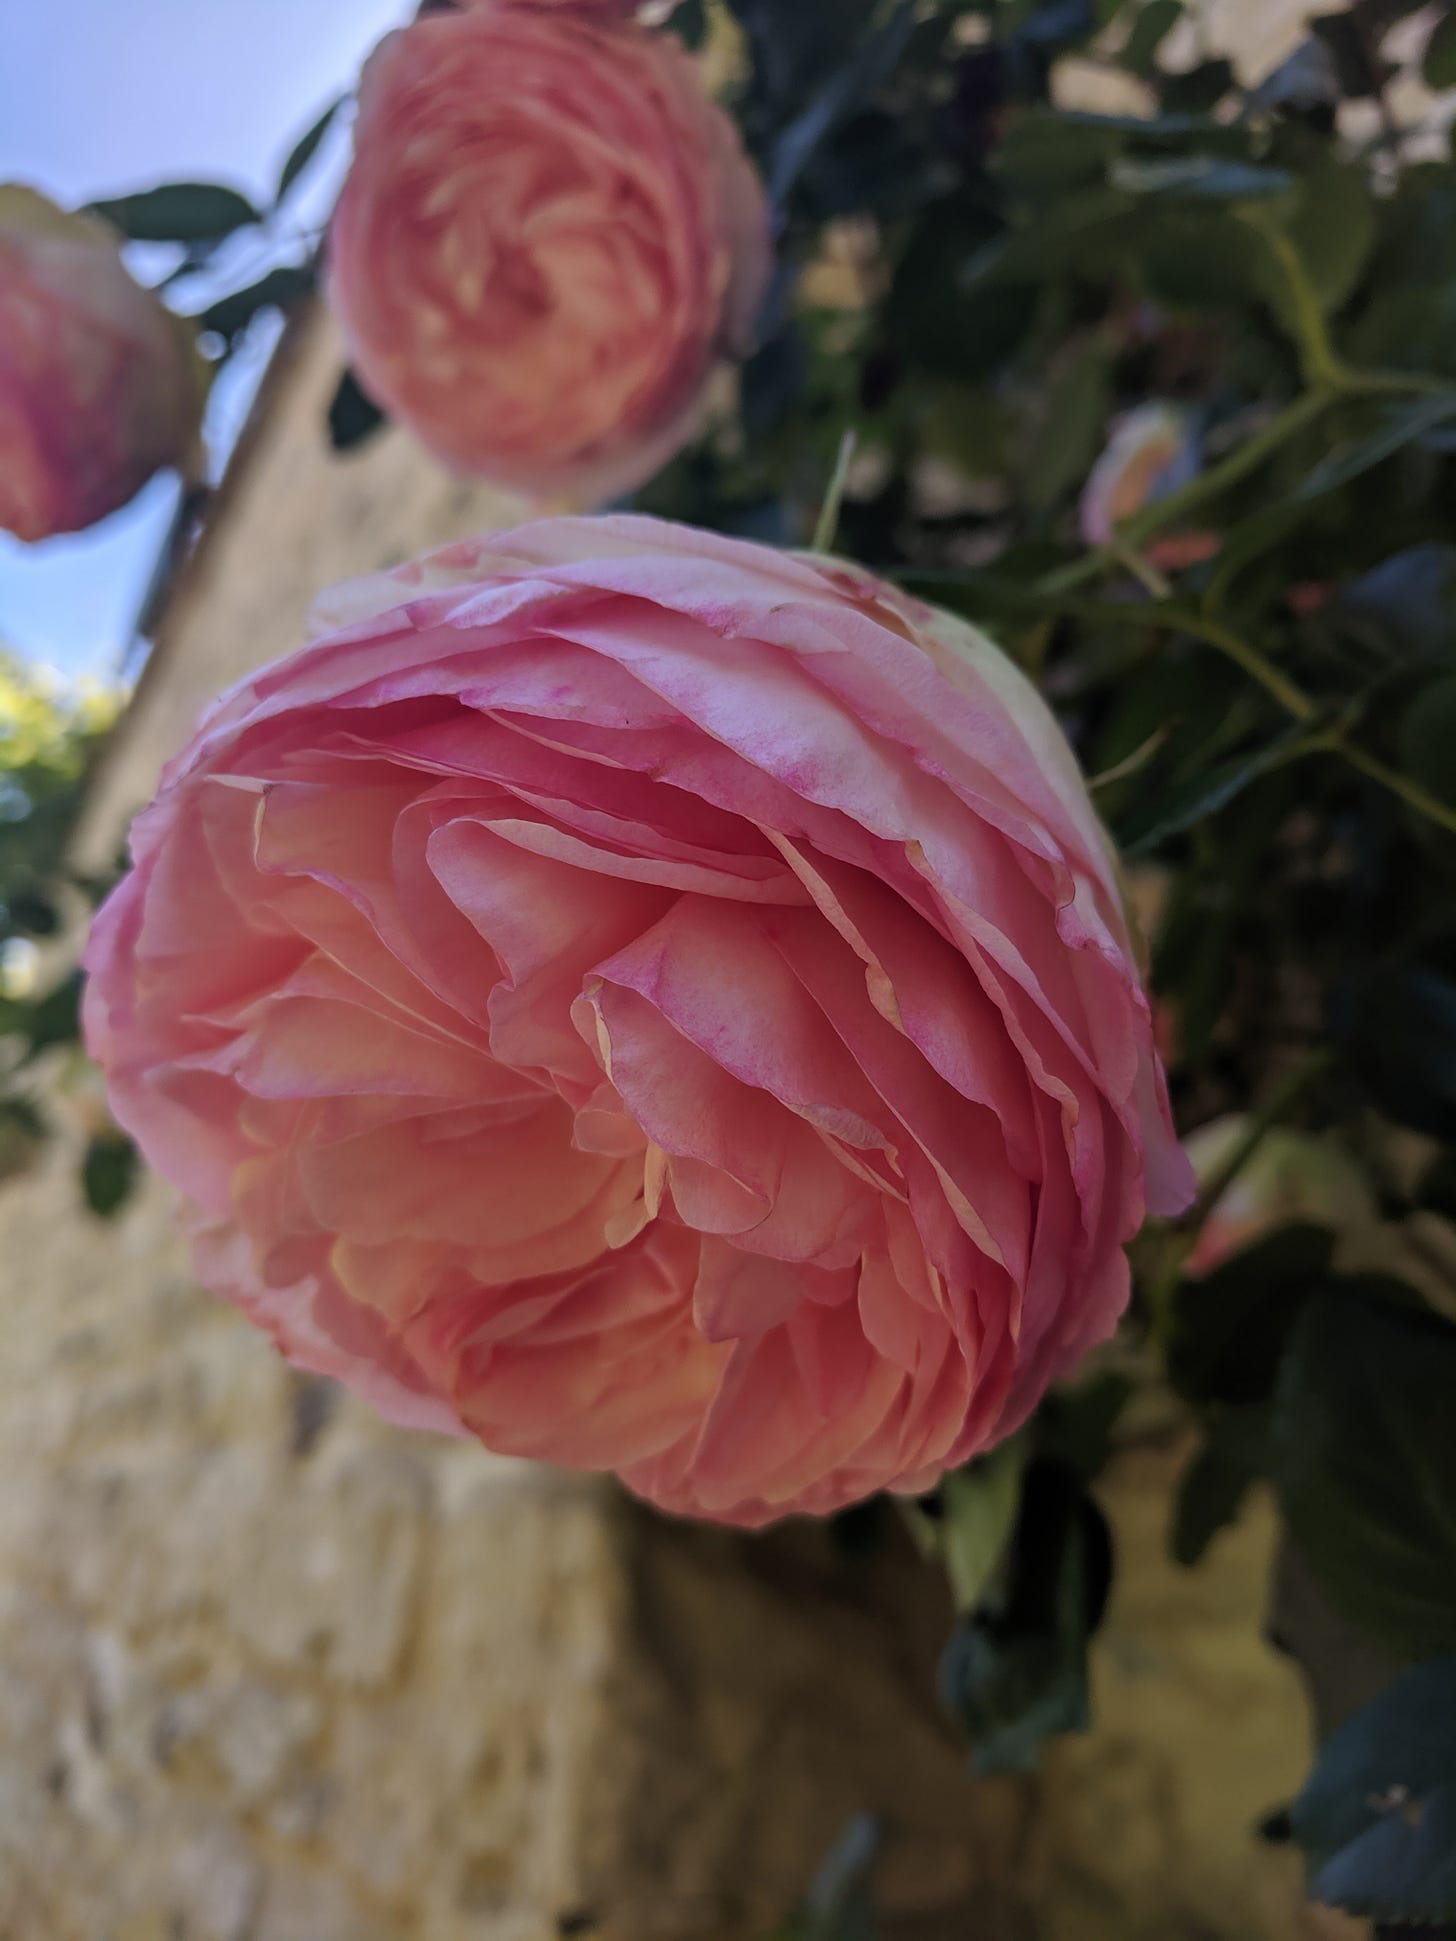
50 733
1151 370
1149 367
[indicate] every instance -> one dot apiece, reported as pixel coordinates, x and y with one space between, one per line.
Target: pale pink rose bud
1290 1177
660 1004
1151 453
549 238
100 385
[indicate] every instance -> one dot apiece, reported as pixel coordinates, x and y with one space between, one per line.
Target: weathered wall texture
270 1671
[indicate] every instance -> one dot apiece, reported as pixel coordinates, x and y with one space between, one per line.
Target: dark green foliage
108 1173
179 212
1364 1457
1378 1816
1262 677
1231 1327
278 289
353 415
1015 1670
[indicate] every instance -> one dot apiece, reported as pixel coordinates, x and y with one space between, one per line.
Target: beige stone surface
271 1671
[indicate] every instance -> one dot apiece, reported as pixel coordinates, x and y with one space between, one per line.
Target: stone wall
271 1671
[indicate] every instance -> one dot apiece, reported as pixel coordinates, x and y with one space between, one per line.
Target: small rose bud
1151 453
100 385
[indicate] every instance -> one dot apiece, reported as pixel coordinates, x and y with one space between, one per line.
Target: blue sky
101 96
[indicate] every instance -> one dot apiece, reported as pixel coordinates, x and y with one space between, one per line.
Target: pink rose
660 1003
548 238
99 387
602 9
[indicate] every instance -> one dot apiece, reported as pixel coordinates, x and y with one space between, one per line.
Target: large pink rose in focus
548 239
662 1004
99 386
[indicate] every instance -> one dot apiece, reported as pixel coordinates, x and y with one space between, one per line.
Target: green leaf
1213 1486
1376 1816
306 148
53 1019
1364 1458
1072 423
22 1130
1153 23
790 48
1204 794
179 212
1015 1671
1438 69
1249 540
690 23
1333 228
1198 258
938 316
1045 152
109 1172
1404 608
980 1504
1230 1327
1213 178
278 290
1400 425
1081 230
1403 1869
1075 1425
353 415
866 71
1199 90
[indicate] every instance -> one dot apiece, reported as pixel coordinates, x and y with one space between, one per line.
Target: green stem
1290 697
828 525
1293 699
1319 361
1400 384
1411 793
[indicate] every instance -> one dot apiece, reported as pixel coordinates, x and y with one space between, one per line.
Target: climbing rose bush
654 1002
548 239
99 385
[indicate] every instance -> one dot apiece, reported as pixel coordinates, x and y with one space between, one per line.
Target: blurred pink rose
602 9
1151 453
549 237
1291 1176
99 386
660 1003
